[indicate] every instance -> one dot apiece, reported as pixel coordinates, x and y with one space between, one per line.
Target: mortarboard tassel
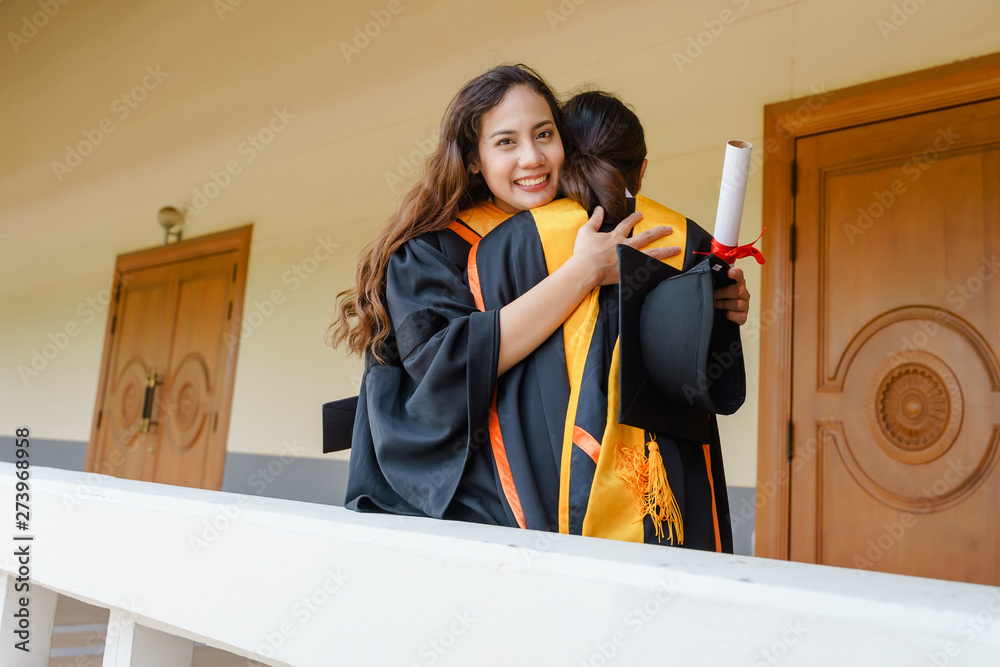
648 480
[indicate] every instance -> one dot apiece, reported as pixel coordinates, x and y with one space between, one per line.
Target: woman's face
520 151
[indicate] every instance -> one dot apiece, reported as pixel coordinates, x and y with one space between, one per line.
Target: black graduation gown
420 445
550 483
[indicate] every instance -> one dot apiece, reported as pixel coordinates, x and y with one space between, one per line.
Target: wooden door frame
959 83
238 240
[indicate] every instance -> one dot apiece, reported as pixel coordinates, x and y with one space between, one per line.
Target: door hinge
99 413
114 323
229 315
794 178
234 272
118 292
793 238
215 422
790 444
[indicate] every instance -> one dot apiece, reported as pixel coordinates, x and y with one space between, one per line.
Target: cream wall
225 67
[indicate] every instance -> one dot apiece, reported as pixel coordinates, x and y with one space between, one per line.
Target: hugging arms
430 438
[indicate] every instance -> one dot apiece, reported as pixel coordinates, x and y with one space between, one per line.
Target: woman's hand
527 321
599 253
734 298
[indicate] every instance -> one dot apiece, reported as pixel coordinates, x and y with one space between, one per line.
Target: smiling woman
520 152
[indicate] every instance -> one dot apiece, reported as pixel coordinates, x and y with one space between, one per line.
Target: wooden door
188 414
170 354
140 330
895 373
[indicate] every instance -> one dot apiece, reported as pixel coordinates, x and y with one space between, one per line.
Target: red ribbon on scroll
730 254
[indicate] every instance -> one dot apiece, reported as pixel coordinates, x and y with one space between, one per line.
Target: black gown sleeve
421 435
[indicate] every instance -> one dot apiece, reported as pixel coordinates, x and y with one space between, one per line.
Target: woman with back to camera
598 496
422 435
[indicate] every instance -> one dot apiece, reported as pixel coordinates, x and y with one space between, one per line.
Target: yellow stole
613 510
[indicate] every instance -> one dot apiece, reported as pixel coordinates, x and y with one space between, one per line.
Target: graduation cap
338 424
680 359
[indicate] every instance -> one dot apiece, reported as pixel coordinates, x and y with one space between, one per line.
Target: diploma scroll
735 170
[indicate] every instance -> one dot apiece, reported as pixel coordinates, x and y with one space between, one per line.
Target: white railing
291 583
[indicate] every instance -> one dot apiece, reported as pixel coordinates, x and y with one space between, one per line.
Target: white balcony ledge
291 583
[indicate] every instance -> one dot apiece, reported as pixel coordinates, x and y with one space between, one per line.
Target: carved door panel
188 412
896 379
141 326
163 402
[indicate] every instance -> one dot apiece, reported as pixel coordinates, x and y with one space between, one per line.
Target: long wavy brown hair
446 187
609 146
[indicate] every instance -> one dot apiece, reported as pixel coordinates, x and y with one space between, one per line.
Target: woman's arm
529 320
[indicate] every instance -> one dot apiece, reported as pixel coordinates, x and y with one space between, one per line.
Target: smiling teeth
532 181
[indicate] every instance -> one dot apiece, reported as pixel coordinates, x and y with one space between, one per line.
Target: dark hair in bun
606 147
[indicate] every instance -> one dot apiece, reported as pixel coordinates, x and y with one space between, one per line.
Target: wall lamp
172 221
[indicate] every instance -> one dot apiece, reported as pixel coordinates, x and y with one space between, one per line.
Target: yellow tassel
648 480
